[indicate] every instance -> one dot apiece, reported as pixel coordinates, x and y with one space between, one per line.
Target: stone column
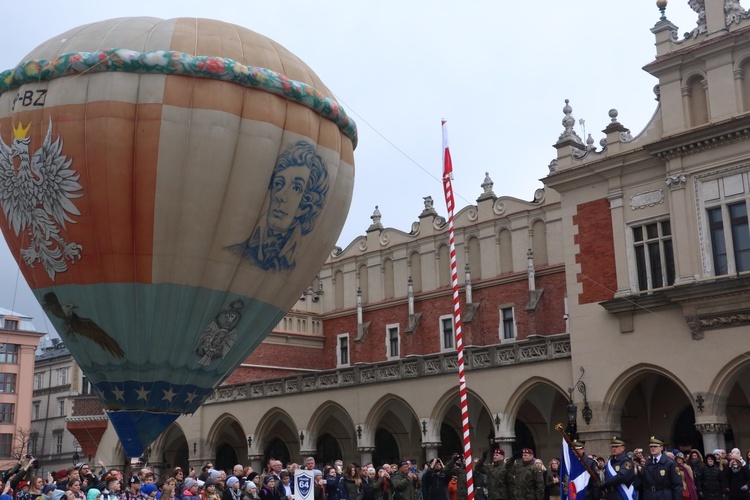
506 443
256 462
713 435
365 454
430 450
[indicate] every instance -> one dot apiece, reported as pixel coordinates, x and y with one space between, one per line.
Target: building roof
24 320
54 351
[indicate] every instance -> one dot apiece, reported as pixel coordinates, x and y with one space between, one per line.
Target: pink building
18 343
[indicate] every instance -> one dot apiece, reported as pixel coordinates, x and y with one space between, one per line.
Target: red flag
447 163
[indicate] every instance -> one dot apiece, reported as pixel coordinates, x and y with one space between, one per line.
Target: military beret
528 451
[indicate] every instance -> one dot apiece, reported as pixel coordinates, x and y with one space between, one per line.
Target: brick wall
596 251
546 319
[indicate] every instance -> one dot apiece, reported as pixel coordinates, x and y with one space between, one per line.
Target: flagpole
449 202
594 476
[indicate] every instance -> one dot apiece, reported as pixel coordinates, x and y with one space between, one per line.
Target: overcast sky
499 72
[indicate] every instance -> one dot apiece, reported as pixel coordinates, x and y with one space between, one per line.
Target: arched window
364 282
415 261
338 289
444 266
388 288
327 449
450 441
695 92
474 258
506 252
226 456
386 448
278 450
539 243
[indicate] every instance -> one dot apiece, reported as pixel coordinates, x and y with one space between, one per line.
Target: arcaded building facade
623 284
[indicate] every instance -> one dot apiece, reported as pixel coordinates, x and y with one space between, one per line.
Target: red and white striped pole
449 202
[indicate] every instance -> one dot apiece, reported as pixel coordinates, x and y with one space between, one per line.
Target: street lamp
572 410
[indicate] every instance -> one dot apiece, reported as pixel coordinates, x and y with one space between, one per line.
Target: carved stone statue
734 12
698 6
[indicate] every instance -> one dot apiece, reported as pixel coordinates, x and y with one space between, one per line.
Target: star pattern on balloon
168 394
119 394
190 397
143 393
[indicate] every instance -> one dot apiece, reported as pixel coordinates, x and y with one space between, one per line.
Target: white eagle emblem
36 198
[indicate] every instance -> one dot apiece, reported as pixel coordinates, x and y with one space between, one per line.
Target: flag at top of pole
447 163
462 391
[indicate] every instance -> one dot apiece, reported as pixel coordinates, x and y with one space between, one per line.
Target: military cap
577 445
617 441
655 441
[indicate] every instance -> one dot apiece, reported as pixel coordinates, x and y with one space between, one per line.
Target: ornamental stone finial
376 225
662 6
569 122
487 184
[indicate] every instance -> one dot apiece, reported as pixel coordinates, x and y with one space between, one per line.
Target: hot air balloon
169 188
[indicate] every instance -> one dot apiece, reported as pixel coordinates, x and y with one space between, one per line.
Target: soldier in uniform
529 481
660 479
619 473
591 487
497 476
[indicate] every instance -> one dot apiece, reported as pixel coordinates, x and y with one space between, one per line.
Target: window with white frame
654 257
35 411
724 200
33 442
447 337
507 323
38 381
58 443
62 376
392 342
11 324
342 358
61 407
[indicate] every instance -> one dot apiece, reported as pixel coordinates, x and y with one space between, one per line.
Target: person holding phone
435 481
405 482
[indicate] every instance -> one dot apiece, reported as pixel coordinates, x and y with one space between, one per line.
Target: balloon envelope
169 189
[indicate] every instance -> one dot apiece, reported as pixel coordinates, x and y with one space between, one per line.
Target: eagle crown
20 133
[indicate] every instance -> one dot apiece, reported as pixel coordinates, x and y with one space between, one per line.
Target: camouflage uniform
528 481
497 478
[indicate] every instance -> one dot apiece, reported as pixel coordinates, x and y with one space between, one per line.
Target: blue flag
574 475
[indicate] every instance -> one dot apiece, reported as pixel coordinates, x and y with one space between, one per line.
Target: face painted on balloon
287 190
297 194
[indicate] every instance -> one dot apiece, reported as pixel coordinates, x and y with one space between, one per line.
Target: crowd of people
624 475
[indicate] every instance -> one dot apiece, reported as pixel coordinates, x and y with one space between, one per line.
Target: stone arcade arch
536 406
395 416
277 436
331 421
171 450
225 442
644 401
727 407
447 413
